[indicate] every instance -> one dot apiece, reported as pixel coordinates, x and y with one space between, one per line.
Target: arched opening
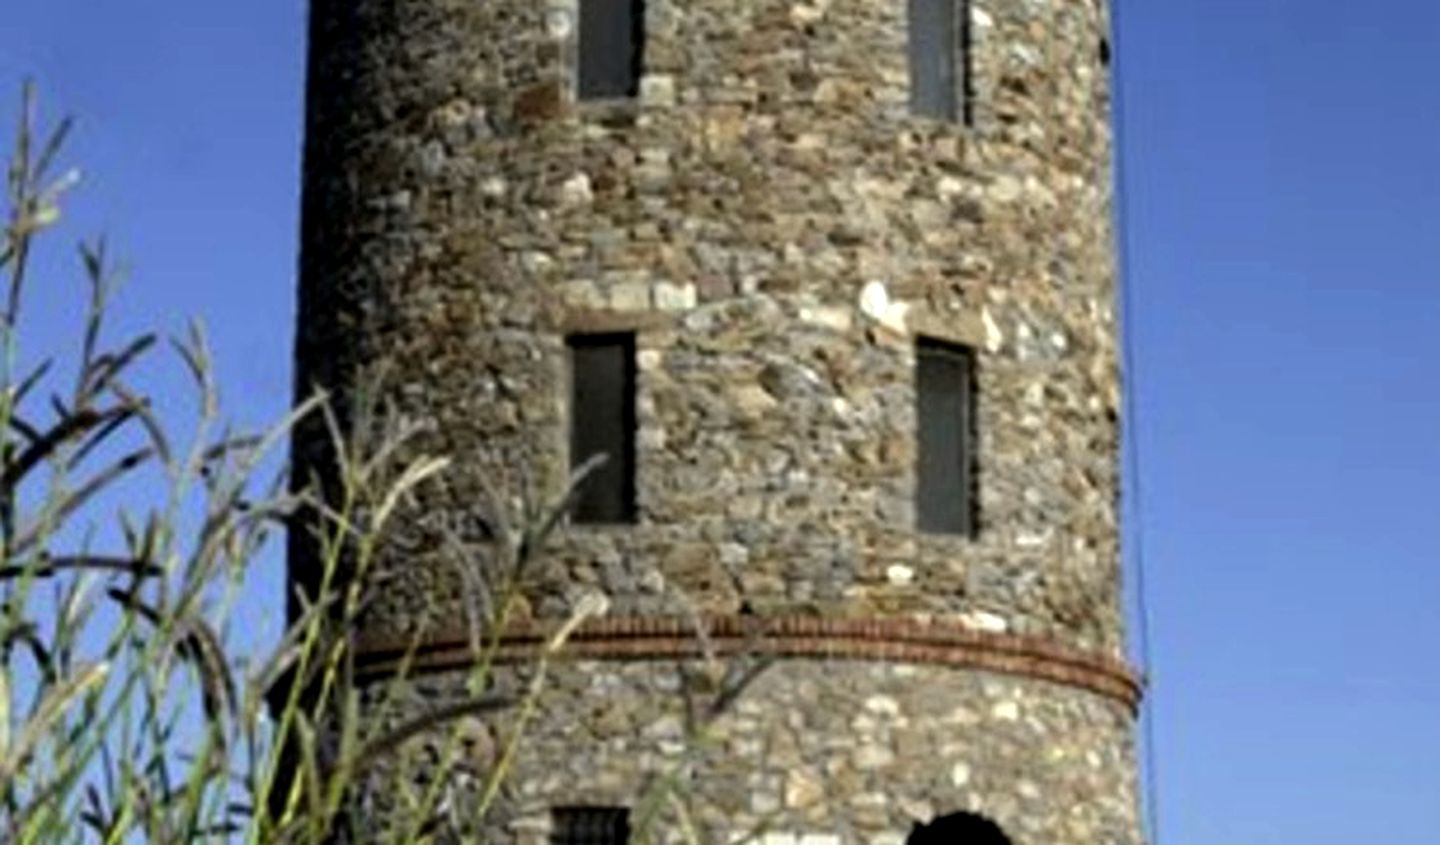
958 829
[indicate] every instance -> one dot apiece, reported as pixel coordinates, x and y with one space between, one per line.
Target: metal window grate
945 414
602 422
590 826
940 59
612 48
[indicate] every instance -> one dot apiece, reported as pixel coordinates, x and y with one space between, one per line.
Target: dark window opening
590 826
602 422
612 48
1105 52
940 59
945 414
955 828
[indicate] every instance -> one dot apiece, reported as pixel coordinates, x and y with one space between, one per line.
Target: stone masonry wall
463 213
777 230
840 753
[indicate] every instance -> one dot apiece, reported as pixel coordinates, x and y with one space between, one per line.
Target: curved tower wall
778 231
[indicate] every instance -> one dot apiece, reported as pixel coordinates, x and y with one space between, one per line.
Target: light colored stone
536 261
672 297
920 811
753 401
834 318
630 296
900 575
873 757
582 294
802 791
882 704
1006 711
559 24
494 187
874 300
577 190
764 802
982 620
657 90
802 14
666 727
1033 540
994 336
734 554
1006 189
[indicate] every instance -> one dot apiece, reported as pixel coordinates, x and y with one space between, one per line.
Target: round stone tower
831 284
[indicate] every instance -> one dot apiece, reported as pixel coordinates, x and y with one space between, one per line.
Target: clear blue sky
1283 164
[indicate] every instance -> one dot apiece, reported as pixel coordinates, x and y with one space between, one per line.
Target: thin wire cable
1132 435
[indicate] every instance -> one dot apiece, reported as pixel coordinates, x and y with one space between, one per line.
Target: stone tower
831 283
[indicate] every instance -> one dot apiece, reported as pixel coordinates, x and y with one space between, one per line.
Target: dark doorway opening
958 829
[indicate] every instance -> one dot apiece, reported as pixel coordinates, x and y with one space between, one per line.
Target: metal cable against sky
1131 391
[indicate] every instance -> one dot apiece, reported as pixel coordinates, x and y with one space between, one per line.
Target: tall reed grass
128 710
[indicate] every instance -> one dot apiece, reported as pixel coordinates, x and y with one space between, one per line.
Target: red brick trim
666 638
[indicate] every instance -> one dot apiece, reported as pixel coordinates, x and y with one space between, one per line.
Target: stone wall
777 230
825 754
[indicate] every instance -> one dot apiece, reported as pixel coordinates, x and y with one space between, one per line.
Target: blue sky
1282 159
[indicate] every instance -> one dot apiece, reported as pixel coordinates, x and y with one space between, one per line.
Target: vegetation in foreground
129 710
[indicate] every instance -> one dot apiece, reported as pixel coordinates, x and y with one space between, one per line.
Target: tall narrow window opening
602 422
940 59
590 826
612 48
945 413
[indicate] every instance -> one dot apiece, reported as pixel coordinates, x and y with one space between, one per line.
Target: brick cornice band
665 638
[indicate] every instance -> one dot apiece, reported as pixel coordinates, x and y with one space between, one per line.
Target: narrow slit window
590 826
612 48
945 414
940 59
602 422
